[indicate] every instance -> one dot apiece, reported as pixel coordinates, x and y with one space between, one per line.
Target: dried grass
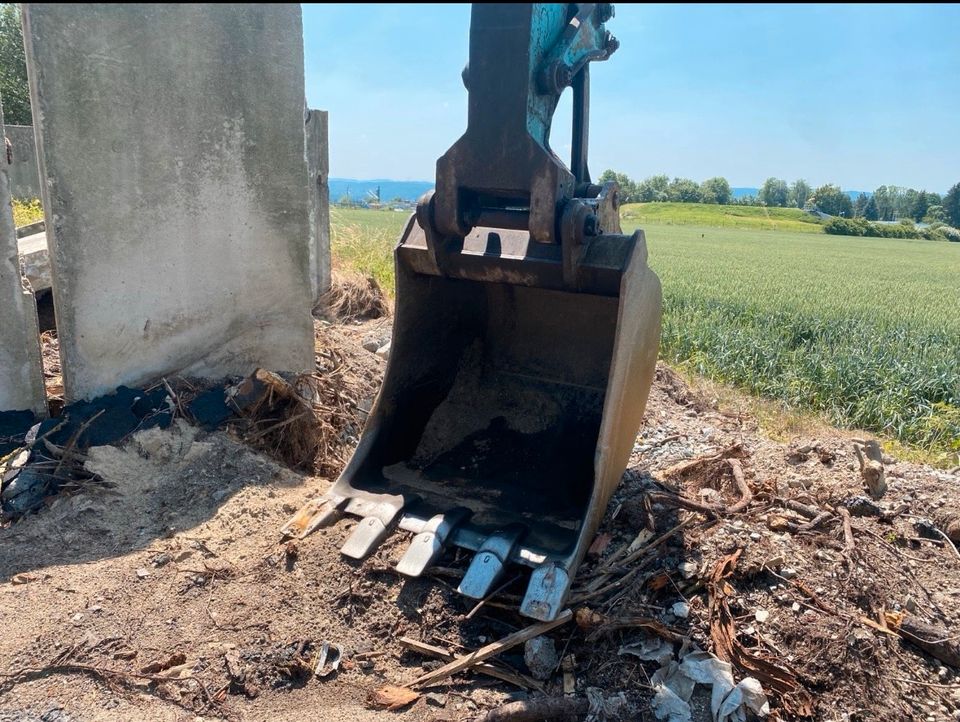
313 421
354 297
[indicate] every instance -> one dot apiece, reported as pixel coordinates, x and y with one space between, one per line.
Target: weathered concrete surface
35 261
171 146
318 168
24 176
21 375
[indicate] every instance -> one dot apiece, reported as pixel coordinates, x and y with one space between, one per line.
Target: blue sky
859 95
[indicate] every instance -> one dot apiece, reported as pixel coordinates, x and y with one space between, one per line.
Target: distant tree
935 214
715 190
908 206
860 205
653 188
883 198
14 89
895 202
832 200
870 211
951 205
628 189
774 192
922 204
684 190
800 192
746 200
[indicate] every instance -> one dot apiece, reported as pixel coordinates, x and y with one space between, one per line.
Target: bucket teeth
312 515
366 536
546 592
428 544
490 561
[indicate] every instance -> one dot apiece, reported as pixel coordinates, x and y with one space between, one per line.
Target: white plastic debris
674 684
748 694
668 706
761 615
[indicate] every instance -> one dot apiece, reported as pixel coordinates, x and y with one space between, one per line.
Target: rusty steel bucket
506 417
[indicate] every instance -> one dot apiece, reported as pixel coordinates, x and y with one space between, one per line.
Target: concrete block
318 169
21 374
35 261
24 176
171 145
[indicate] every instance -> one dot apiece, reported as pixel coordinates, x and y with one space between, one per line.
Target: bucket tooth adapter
525 334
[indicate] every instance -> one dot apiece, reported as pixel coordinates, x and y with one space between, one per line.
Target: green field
700 214
865 331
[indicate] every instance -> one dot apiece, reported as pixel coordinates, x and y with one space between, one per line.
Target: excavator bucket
524 346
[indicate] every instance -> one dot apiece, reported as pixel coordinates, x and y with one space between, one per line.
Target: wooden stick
746 496
816 521
685 503
802 509
68 448
932 640
847 528
490 596
429 650
533 710
630 558
491 650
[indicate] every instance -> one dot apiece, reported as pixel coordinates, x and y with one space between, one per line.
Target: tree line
886 203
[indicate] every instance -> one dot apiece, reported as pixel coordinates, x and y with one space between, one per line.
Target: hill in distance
741 192
366 190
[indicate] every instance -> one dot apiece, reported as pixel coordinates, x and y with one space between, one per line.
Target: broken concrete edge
318 170
24 172
21 372
31 229
35 261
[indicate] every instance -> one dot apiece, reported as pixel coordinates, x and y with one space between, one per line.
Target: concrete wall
24 176
21 376
318 169
171 145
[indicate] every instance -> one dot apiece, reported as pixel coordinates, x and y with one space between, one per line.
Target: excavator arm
525 333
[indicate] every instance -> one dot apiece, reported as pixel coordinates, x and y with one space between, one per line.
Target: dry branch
533 710
490 650
489 670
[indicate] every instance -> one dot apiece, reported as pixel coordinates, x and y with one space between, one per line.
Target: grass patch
864 332
715 216
26 212
363 240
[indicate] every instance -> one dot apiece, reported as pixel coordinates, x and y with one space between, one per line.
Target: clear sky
859 95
